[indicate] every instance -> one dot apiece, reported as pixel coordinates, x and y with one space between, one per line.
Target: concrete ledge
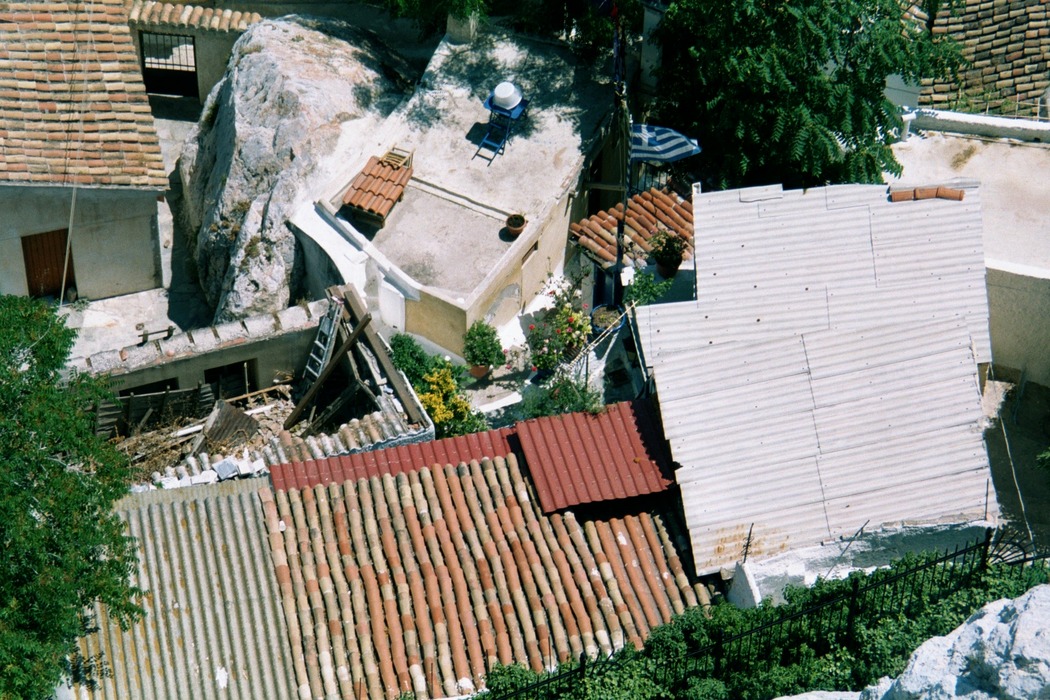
982 125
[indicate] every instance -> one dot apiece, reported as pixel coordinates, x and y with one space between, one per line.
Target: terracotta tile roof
393 460
170 14
423 581
646 211
73 109
582 458
377 188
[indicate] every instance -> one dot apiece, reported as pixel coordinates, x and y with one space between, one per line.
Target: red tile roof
582 458
378 187
73 109
392 460
573 459
421 582
169 14
646 212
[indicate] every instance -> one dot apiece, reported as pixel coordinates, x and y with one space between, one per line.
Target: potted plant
606 318
667 249
644 289
515 224
481 348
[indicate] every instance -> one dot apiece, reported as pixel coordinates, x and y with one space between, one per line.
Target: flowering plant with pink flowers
560 331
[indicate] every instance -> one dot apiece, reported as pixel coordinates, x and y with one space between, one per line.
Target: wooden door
44 253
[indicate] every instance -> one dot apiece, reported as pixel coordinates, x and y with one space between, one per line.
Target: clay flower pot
479 371
515 224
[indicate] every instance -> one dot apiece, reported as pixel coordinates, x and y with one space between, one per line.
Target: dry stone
264 145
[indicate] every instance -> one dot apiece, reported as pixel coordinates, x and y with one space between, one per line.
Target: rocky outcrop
1001 653
266 142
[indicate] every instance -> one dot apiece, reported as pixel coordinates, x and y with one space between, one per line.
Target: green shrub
481 345
816 655
562 394
409 356
645 289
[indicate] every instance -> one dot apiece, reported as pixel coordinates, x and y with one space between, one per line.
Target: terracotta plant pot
668 268
479 371
515 224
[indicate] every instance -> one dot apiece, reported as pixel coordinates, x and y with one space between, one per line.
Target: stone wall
1006 44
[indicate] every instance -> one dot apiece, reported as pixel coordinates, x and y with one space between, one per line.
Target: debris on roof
379 186
647 212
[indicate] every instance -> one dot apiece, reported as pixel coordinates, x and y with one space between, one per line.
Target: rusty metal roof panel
582 458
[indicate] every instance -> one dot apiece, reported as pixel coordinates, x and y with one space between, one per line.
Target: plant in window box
482 349
667 249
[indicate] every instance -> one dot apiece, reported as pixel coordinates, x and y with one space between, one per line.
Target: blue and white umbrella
660 144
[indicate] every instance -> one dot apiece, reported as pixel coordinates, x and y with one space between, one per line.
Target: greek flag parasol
660 144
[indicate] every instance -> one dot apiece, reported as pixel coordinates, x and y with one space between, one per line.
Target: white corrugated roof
214 624
826 375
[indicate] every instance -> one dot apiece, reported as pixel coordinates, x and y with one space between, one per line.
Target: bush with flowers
561 331
445 404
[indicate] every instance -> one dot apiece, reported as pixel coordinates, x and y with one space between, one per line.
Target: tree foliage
62 548
792 92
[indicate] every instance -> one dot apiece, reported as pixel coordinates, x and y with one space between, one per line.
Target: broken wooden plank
328 369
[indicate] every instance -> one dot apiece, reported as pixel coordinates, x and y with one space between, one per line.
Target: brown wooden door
44 253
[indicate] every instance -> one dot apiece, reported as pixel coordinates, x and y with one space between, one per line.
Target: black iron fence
828 624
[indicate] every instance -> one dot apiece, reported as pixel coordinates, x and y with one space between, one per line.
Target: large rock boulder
1001 653
266 142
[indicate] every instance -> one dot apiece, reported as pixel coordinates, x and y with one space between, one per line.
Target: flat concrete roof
1015 188
447 232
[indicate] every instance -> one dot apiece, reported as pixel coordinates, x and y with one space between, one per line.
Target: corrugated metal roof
809 438
826 375
423 581
393 460
582 458
844 256
214 625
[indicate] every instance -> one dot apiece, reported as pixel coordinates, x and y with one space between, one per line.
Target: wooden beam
404 392
328 369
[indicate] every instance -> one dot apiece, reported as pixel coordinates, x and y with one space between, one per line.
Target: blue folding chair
498 131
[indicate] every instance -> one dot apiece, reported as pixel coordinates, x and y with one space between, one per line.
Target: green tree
792 92
62 548
429 15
